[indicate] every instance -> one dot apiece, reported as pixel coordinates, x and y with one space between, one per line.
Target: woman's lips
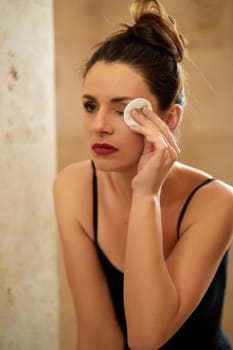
104 149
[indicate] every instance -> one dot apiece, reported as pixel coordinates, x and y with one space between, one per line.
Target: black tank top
202 330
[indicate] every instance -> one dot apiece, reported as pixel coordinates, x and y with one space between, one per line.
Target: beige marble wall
28 245
207 131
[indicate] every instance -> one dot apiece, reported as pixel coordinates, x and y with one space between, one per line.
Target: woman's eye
121 113
90 107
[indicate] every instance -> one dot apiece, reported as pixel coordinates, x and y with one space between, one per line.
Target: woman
145 252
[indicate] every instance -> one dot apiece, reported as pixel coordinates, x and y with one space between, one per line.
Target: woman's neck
121 183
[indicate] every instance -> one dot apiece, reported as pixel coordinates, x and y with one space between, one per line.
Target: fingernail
139 111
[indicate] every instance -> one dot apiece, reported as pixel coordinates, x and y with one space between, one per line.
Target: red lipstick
104 149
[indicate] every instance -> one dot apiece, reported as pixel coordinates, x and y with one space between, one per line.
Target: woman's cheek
135 145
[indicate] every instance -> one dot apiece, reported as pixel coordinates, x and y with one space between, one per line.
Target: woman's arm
151 296
97 325
161 294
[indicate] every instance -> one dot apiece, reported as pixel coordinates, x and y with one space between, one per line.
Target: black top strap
95 201
188 201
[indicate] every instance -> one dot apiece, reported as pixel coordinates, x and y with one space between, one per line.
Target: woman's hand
159 153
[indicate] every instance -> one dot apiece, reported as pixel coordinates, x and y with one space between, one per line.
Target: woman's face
107 89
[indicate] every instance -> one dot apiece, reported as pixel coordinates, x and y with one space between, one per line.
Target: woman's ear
173 116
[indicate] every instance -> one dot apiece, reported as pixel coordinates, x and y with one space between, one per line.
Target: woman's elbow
150 337
146 340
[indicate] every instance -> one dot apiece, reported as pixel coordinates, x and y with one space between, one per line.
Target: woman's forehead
116 79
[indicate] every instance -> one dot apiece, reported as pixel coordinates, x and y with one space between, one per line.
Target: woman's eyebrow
89 97
121 99
113 100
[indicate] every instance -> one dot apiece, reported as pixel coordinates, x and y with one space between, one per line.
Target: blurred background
44 45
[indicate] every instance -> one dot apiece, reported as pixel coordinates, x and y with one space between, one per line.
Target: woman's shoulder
211 191
75 176
73 186
73 194
211 205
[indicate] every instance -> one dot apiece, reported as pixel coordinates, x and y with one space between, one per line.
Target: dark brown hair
152 46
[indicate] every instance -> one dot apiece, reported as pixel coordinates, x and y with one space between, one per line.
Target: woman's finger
161 143
154 135
155 119
150 119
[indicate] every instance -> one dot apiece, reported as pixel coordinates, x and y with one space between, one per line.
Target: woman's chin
105 165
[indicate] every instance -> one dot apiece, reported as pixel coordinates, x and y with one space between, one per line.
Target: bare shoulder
195 177
74 175
73 194
212 203
218 197
74 179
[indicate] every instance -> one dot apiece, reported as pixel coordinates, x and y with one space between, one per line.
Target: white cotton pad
137 104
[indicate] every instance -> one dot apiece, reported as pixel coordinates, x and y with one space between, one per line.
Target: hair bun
153 26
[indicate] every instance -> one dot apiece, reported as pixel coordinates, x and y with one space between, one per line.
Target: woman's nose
102 122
